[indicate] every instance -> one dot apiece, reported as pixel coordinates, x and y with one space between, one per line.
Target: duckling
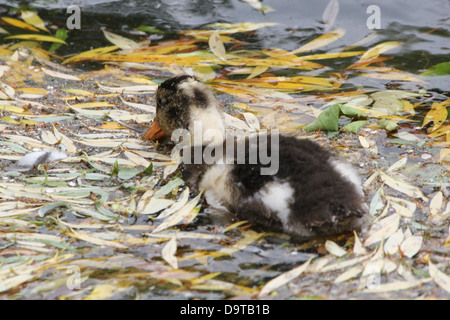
310 193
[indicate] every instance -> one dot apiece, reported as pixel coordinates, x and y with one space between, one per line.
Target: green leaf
328 120
149 29
126 173
61 33
352 112
354 126
51 207
115 168
149 170
440 69
172 184
388 125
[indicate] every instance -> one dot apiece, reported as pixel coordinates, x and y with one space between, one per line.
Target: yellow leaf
332 55
441 131
257 71
216 46
384 229
168 253
437 115
38 91
391 76
439 277
349 274
36 37
380 48
104 291
410 246
33 19
19 24
250 236
11 108
90 54
65 141
97 104
396 286
320 41
403 187
358 248
178 216
121 42
111 126
101 242
436 203
80 92
60 75
284 278
333 248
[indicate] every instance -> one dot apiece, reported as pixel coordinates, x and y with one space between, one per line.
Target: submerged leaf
216 46
284 278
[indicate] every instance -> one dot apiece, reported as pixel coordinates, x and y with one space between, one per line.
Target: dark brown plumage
311 192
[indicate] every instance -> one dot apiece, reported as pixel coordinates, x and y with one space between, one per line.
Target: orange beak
154 132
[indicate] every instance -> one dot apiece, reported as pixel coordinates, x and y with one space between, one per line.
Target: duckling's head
183 102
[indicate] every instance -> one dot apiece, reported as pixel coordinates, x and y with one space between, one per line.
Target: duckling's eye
159 102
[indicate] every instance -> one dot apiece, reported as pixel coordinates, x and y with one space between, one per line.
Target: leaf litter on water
260 86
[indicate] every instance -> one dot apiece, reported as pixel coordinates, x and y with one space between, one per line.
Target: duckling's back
310 193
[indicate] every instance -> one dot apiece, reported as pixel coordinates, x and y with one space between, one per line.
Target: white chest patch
277 196
348 172
206 126
216 184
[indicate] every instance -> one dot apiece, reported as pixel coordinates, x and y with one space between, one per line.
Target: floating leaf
349 274
375 52
354 126
33 19
385 228
440 69
60 75
216 46
168 253
51 207
334 249
440 278
437 115
36 37
19 24
327 120
403 187
320 41
284 278
121 42
61 33
388 125
178 216
436 203
411 246
330 14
